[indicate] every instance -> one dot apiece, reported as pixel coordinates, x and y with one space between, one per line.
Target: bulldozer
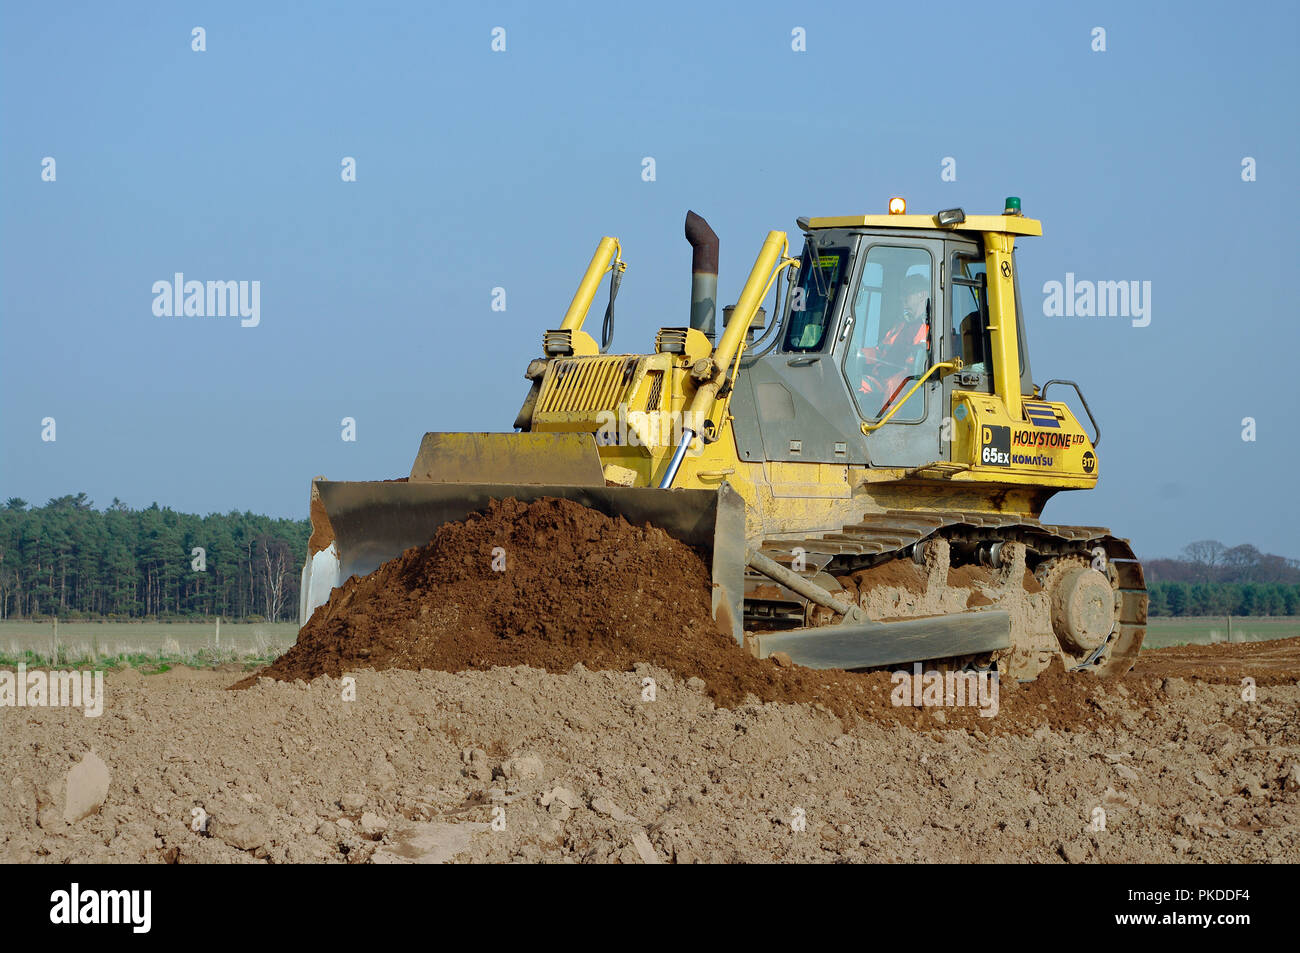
886 415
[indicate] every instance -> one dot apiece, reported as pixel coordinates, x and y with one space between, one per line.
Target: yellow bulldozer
886 413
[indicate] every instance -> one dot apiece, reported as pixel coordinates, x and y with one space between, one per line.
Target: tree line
1210 578
68 560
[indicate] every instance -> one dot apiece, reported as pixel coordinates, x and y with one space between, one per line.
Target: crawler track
1005 545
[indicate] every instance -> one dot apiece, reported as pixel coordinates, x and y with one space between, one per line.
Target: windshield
812 303
890 346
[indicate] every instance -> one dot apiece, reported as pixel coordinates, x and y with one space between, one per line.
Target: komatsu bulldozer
886 413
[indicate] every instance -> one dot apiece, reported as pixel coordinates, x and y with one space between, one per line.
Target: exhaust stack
704 273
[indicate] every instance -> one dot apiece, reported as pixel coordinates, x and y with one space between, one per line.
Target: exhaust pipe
728 345
704 273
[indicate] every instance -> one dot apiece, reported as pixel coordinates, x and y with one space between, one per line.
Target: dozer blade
510 458
373 522
358 526
878 644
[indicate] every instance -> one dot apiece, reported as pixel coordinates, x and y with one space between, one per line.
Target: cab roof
1009 224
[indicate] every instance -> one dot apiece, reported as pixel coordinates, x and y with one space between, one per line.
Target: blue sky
478 169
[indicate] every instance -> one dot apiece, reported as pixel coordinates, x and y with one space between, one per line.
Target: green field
77 640
1206 630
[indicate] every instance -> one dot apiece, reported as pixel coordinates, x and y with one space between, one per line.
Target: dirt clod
86 788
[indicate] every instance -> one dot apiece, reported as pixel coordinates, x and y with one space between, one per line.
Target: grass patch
145 662
1166 632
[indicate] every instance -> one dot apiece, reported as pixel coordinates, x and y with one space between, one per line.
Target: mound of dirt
545 584
552 584
570 586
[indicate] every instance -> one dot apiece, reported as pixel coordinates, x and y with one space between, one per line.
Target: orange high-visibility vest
887 344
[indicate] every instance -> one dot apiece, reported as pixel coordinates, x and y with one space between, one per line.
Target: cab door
965 331
890 347
791 403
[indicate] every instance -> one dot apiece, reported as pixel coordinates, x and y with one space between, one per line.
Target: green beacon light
1013 205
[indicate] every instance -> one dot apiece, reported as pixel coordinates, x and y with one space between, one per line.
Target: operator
902 348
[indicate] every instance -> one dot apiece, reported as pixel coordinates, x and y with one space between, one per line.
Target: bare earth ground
579 768
475 732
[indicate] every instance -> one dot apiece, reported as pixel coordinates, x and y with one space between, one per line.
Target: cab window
967 327
812 304
890 337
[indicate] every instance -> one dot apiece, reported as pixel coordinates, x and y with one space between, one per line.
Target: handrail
954 365
1086 409
785 261
596 271
729 387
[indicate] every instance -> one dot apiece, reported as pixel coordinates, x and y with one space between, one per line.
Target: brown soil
966 577
897 573
1276 662
1031 584
584 769
581 588
578 586
413 765
322 532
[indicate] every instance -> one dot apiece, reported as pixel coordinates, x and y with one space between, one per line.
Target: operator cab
877 302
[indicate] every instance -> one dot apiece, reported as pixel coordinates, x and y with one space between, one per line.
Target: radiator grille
586 384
